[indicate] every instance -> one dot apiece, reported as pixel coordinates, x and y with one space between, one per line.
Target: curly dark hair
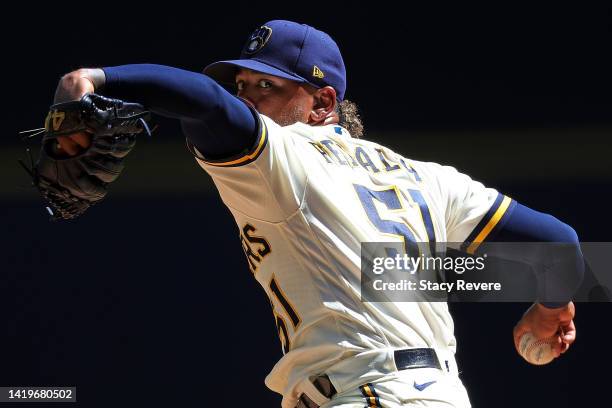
350 118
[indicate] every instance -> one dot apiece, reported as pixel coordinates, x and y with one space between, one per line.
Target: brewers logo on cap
258 39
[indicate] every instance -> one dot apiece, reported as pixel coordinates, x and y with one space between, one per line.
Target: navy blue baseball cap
288 50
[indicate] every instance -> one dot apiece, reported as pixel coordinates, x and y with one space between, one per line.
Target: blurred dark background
147 300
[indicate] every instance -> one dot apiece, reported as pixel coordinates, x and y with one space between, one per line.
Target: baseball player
306 191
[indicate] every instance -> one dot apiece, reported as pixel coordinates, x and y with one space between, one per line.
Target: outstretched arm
216 122
546 319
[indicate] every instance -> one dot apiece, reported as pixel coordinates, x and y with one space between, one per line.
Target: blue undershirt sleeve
527 225
216 122
561 261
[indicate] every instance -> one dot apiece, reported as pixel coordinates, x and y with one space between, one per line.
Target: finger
568 333
68 146
564 347
83 139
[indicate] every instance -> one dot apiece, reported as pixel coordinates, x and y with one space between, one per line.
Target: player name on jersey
334 153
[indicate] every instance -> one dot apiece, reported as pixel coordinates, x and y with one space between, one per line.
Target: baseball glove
70 185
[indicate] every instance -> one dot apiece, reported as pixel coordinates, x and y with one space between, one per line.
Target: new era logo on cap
288 50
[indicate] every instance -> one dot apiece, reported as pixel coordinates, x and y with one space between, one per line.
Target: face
282 100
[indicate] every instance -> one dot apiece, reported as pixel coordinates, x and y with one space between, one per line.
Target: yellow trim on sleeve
247 157
370 396
503 207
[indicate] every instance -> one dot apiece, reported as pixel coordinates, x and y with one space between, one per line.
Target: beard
290 115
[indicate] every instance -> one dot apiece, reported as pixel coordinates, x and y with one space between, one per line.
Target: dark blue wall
148 300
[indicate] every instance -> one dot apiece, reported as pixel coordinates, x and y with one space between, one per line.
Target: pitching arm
550 246
559 264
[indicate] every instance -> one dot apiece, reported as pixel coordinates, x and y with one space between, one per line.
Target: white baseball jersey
304 199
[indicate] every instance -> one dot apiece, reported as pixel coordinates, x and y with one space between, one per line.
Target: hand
71 186
544 322
71 88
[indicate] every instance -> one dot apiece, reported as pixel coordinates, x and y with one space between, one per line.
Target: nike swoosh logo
421 387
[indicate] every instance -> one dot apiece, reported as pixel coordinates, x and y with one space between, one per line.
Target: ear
323 107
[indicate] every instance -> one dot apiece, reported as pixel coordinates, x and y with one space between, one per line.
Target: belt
404 359
416 358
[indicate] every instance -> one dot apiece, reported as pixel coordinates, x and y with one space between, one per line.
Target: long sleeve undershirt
527 225
218 123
